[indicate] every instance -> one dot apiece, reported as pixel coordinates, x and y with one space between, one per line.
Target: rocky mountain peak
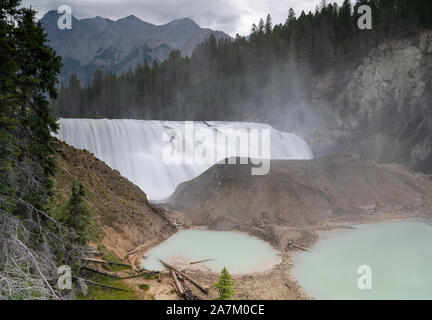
116 46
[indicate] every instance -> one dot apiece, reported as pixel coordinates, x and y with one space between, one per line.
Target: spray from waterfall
137 148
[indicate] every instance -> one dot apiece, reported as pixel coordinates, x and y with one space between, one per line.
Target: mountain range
117 46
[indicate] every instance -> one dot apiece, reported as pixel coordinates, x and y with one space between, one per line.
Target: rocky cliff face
384 109
116 46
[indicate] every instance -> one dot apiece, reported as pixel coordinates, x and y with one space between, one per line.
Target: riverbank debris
180 285
291 246
201 261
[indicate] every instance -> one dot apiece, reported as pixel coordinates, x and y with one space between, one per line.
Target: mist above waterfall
135 148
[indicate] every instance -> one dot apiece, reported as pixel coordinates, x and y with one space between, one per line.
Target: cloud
230 16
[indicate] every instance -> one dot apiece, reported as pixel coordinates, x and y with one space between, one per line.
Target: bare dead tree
32 245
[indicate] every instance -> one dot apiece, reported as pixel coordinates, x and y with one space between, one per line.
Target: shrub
144 287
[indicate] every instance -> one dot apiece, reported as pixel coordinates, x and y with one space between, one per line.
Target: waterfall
138 149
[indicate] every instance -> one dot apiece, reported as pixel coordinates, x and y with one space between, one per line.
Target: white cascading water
135 148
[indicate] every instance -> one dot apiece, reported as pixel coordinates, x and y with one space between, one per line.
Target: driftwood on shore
194 282
291 246
188 295
201 261
180 285
177 285
181 288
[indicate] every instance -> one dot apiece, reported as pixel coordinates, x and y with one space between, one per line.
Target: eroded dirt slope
124 219
301 194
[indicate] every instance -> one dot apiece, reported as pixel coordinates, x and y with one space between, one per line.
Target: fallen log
183 283
107 274
194 282
201 261
101 284
298 247
188 295
177 284
291 245
181 280
107 262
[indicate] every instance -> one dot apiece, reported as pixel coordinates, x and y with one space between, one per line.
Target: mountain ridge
119 45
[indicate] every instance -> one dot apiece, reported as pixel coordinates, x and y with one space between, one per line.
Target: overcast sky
230 16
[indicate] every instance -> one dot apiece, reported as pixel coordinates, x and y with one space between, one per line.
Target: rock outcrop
384 111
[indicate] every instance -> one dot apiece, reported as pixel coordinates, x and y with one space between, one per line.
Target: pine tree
254 29
30 238
28 75
291 17
268 25
225 286
261 26
77 216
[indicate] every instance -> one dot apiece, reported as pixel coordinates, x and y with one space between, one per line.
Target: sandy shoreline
278 283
